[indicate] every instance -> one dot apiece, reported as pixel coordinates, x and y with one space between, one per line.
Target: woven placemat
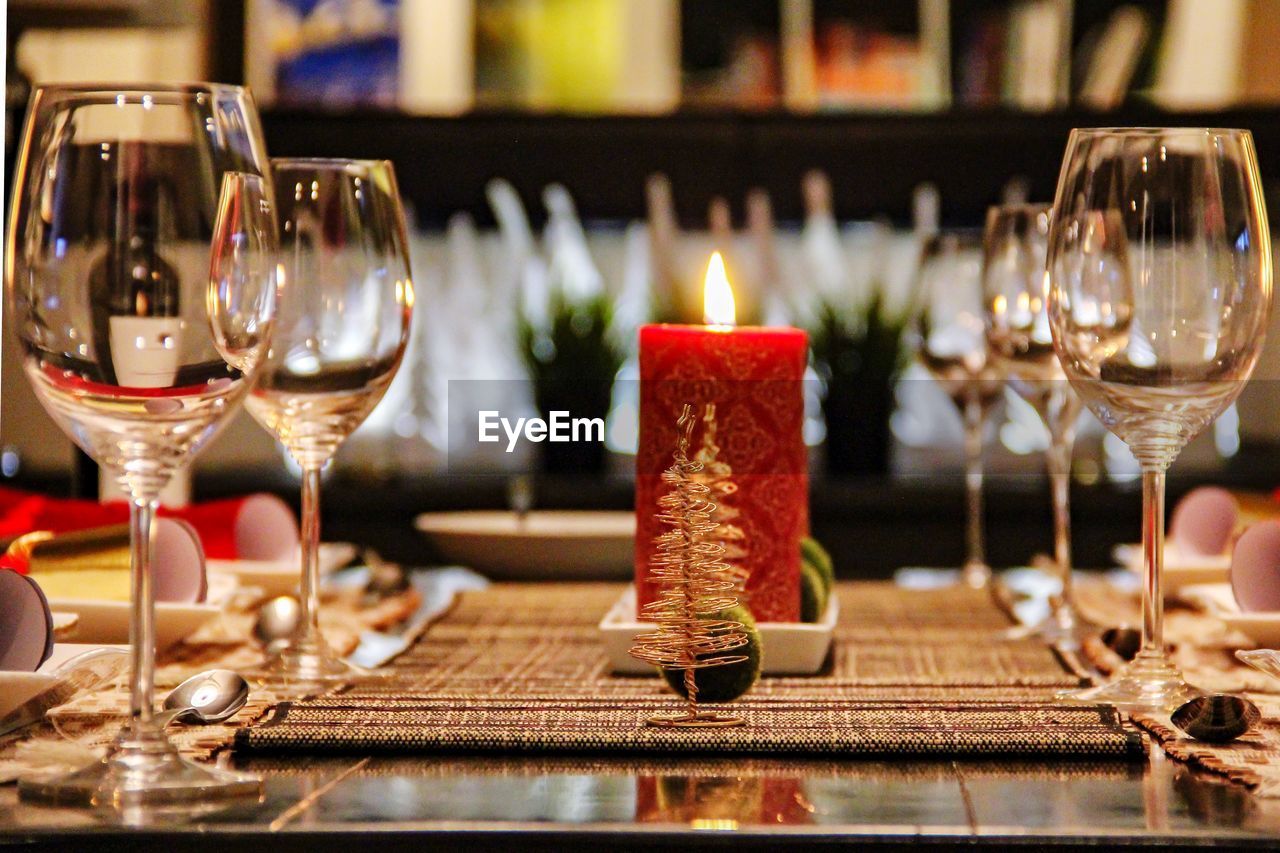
87 724
1203 649
519 668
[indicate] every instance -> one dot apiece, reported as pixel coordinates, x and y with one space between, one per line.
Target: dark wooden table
449 803
452 802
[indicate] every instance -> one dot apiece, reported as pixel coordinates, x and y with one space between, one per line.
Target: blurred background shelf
874 160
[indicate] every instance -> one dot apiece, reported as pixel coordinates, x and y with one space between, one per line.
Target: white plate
1262 627
281 577
18 687
786 648
107 622
1180 568
544 545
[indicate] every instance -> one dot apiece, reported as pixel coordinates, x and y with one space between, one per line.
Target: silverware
1216 718
385 578
437 587
204 698
277 620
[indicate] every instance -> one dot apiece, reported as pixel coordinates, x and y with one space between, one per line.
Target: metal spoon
1216 718
277 620
207 697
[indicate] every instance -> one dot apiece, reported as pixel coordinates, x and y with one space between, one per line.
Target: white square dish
787 648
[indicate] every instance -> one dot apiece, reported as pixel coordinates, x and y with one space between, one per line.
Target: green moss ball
725 683
813 594
812 552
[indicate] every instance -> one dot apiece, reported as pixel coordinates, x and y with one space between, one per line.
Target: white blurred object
521 281
570 270
777 303
634 302
1199 62
822 258
437 56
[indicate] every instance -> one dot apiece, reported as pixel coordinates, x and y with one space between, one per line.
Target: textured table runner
1203 648
519 668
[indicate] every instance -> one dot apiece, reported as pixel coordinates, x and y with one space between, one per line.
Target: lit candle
753 374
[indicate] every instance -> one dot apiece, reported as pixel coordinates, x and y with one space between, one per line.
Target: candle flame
718 308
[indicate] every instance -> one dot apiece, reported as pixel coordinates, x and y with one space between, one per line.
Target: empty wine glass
340 334
135 345
951 343
1013 276
1159 293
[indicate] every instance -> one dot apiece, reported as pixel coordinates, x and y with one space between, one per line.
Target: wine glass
340 334
136 345
1159 293
951 343
1015 243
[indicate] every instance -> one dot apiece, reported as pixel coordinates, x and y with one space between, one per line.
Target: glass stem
1058 461
310 623
1152 562
142 631
975 569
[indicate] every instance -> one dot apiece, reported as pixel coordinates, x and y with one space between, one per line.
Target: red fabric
754 376
22 512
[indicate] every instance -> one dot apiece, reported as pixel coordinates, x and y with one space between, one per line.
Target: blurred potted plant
858 355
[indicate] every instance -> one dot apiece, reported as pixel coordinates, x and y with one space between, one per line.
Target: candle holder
694 587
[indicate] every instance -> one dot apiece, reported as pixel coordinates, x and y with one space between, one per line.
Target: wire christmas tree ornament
695 584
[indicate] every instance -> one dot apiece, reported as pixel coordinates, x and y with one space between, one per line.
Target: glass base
307 668
1148 684
142 768
975 574
1064 628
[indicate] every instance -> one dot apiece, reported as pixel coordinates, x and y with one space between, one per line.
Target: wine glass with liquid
1015 243
951 343
141 342
1160 275
340 335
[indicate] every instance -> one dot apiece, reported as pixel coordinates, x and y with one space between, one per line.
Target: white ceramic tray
281 577
1261 626
544 545
105 622
1181 568
787 648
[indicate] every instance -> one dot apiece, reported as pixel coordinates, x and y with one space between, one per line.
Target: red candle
754 376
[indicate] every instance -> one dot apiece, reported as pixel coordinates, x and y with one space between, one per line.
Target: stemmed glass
1014 288
1159 293
136 347
340 335
951 342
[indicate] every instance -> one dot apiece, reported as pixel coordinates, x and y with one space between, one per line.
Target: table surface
436 802
427 802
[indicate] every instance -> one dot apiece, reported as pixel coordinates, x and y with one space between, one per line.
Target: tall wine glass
1159 294
340 335
1013 277
951 343
135 348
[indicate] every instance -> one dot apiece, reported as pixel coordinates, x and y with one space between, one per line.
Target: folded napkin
95 563
1208 520
26 625
256 527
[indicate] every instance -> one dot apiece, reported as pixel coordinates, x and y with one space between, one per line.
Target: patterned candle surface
754 376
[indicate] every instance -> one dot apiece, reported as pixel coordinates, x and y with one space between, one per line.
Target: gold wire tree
717 475
694 587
